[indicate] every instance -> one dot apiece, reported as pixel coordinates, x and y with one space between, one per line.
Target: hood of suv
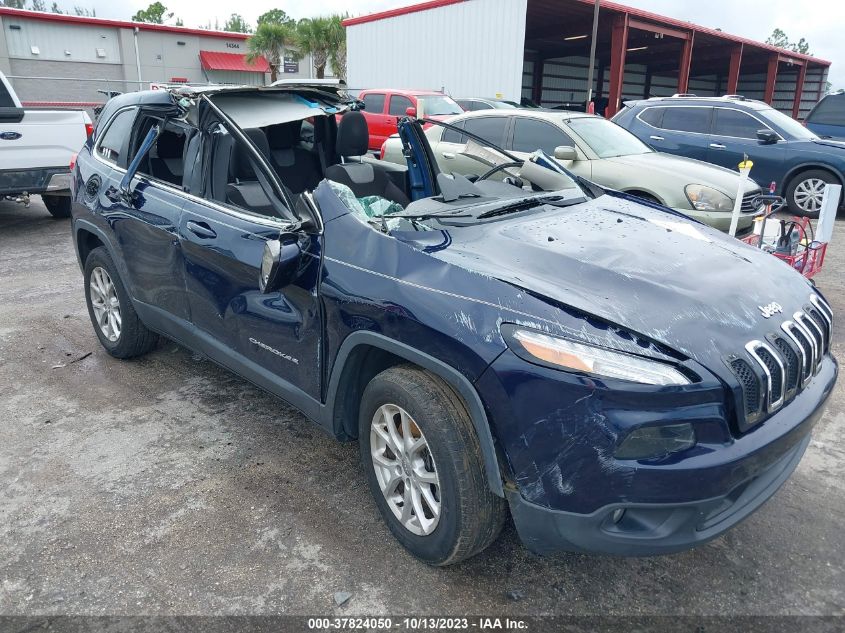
669 279
664 170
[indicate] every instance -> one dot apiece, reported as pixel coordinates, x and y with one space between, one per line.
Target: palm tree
270 41
314 38
337 45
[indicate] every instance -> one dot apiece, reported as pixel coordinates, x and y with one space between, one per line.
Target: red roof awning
212 60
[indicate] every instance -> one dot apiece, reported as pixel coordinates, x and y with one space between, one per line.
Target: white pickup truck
36 149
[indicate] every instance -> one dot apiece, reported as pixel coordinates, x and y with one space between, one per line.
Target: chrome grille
778 367
746 206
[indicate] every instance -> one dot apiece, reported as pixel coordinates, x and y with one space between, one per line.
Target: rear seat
298 168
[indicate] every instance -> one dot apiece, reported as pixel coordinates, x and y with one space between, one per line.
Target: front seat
364 179
243 189
298 168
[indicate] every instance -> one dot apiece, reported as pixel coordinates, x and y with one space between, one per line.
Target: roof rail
684 94
738 97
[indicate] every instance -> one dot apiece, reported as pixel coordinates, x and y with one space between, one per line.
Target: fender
82 224
453 377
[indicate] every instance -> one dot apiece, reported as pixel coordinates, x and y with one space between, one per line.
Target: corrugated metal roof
212 60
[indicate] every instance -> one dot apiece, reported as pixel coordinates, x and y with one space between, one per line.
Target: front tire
804 192
115 321
58 206
425 468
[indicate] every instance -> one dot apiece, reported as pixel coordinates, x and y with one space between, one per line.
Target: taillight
89 129
381 151
73 160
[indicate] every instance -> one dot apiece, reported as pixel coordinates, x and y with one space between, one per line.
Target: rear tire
58 206
115 321
447 521
804 192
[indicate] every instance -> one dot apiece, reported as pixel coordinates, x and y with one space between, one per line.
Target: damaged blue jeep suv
621 378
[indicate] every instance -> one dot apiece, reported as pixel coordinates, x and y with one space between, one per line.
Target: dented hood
664 277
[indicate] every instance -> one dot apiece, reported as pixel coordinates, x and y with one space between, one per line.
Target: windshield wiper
527 203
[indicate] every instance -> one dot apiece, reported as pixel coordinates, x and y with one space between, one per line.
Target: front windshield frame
427 100
786 124
581 125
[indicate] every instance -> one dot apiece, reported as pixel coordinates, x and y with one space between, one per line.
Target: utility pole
592 56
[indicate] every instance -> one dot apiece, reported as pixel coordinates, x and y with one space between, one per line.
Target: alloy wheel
405 469
808 194
105 303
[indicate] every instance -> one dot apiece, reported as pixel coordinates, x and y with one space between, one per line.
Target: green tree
55 8
779 38
13 4
276 16
156 13
314 36
337 45
88 13
38 5
271 41
236 24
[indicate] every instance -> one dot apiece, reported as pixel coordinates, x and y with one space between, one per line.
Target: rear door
378 121
146 223
735 136
682 130
449 151
529 135
223 230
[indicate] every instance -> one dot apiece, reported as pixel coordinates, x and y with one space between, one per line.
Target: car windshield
438 105
607 139
788 125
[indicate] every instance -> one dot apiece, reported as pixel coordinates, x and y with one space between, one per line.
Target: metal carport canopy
468 46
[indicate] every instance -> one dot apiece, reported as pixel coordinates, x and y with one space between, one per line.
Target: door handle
448 155
656 138
201 230
717 146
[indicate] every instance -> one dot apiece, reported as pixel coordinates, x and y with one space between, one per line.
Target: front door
735 136
223 233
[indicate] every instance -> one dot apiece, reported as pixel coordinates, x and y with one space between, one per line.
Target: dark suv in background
827 118
721 130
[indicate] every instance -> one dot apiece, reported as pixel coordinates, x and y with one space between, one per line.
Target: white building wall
473 48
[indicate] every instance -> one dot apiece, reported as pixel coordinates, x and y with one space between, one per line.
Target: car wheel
115 321
425 468
58 206
805 191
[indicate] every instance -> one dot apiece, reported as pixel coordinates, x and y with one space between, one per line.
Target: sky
820 22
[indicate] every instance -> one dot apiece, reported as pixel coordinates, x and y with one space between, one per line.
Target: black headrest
242 168
353 135
170 145
284 135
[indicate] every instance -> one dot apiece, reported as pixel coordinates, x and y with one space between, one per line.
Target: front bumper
648 529
41 180
721 220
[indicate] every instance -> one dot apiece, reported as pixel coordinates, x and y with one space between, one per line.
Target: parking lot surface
166 485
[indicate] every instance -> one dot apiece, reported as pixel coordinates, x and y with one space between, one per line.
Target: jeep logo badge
771 309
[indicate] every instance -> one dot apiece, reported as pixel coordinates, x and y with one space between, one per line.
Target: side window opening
233 179
453 136
399 104
687 119
114 144
374 103
166 159
531 134
5 98
733 123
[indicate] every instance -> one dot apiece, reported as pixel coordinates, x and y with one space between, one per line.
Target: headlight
708 199
580 357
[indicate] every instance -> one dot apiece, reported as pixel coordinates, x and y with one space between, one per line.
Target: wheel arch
364 354
797 169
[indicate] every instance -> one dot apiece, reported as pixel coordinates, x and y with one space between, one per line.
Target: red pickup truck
382 108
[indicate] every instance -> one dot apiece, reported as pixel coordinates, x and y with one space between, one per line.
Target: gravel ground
165 485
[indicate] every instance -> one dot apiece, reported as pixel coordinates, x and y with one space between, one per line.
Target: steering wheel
497 169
